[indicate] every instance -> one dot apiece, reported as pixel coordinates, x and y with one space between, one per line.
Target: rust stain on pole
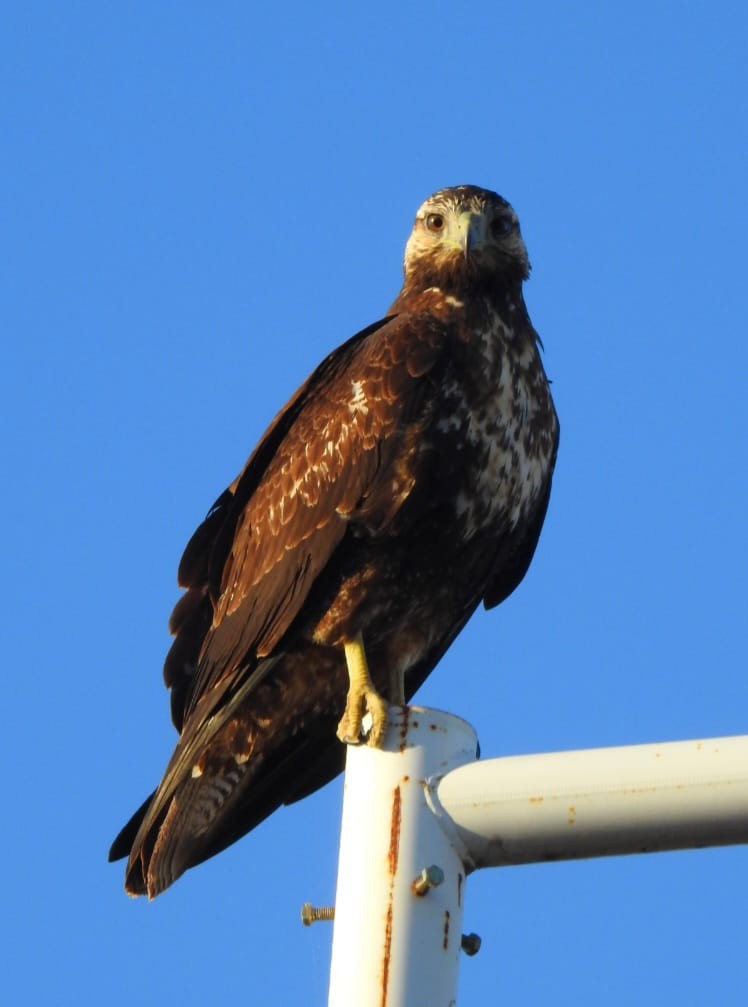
392 858
404 729
395 832
387 947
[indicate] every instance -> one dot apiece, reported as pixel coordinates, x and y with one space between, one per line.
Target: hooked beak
470 232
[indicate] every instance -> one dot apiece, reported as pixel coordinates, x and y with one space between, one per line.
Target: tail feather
193 816
122 845
227 774
208 813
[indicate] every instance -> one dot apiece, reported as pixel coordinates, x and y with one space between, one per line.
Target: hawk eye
435 223
501 226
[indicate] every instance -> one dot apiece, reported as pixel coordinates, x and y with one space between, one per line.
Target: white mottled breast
499 414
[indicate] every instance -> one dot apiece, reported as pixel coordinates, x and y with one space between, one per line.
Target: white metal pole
421 813
563 805
400 891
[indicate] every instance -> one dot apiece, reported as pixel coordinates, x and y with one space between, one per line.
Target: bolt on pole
397 935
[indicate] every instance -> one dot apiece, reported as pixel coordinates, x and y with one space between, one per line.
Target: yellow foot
362 698
350 728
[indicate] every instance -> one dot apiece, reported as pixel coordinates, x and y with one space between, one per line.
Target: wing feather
201 567
288 519
331 458
250 565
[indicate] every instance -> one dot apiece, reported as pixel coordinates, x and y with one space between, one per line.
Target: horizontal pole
599 802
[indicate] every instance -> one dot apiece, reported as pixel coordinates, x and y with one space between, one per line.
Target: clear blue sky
198 202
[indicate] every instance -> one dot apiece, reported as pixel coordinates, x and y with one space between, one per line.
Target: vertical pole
401 883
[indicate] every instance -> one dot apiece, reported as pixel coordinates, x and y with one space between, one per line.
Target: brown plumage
405 482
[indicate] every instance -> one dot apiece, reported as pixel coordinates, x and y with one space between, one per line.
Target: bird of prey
403 484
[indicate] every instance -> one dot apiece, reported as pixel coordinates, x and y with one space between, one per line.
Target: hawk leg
362 697
397 687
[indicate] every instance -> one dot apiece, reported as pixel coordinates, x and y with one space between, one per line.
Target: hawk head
465 235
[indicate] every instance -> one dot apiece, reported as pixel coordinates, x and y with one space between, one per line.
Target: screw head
470 944
430 877
311 914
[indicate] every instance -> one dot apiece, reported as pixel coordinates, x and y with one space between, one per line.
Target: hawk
403 484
